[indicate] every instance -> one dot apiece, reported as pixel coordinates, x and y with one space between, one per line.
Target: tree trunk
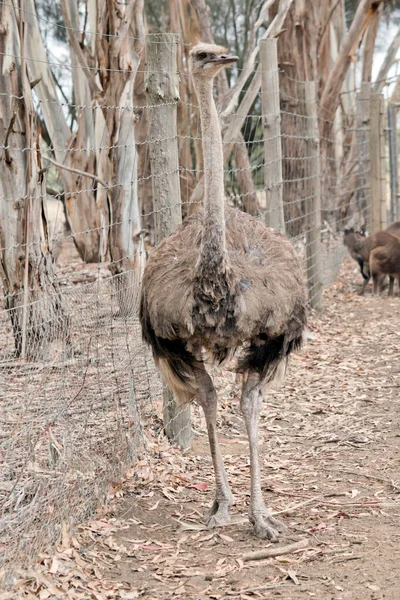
330 97
297 63
395 97
347 176
86 202
369 45
119 56
314 46
30 286
80 201
183 21
105 221
119 150
390 57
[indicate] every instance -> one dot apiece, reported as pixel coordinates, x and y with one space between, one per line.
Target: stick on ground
276 551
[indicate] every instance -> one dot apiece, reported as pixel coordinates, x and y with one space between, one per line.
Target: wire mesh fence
81 401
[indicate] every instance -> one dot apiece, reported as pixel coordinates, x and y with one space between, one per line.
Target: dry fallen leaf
293 576
129 595
225 538
199 486
54 566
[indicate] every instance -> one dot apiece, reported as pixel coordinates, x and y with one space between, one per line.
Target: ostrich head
207 59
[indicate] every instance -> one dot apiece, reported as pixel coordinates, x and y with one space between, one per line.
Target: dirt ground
330 466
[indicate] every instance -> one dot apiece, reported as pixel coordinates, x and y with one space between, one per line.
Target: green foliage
155 11
51 21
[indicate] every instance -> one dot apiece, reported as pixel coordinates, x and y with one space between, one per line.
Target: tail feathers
266 358
278 380
181 384
177 365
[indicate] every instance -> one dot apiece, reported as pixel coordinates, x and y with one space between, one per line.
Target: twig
296 506
196 527
268 586
71 108
35 82
277 551
9 131
345 559
359 504
78 171
374 477
53 192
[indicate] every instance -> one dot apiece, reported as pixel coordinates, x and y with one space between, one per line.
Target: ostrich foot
265 525
218 513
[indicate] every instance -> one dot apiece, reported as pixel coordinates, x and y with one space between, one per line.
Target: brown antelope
385 260
360 247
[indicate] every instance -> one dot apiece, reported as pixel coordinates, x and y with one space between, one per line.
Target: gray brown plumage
222 282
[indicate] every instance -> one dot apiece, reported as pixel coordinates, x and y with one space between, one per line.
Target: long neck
213 246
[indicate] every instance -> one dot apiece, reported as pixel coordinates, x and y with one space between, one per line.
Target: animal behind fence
385 260
360 247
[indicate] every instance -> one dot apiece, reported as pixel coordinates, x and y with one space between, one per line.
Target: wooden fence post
383 157
394 173
162 88
312 190
271 121
363 151
378 168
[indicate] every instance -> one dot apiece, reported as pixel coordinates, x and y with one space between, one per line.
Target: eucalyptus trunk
30 285
102 205
309 49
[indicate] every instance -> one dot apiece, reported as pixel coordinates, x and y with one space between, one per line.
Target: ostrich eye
202 56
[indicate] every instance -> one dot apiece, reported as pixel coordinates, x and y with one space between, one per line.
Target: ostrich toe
265 525
218 513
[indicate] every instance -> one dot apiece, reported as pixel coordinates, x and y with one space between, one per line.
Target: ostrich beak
224 59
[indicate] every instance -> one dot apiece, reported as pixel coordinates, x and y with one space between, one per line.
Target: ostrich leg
265 526
218 514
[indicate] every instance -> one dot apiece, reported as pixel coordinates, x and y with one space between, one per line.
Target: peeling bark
31 291
369 45
297 56
183 20
330 97
105 222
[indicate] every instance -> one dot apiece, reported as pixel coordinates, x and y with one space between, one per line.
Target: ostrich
223 281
